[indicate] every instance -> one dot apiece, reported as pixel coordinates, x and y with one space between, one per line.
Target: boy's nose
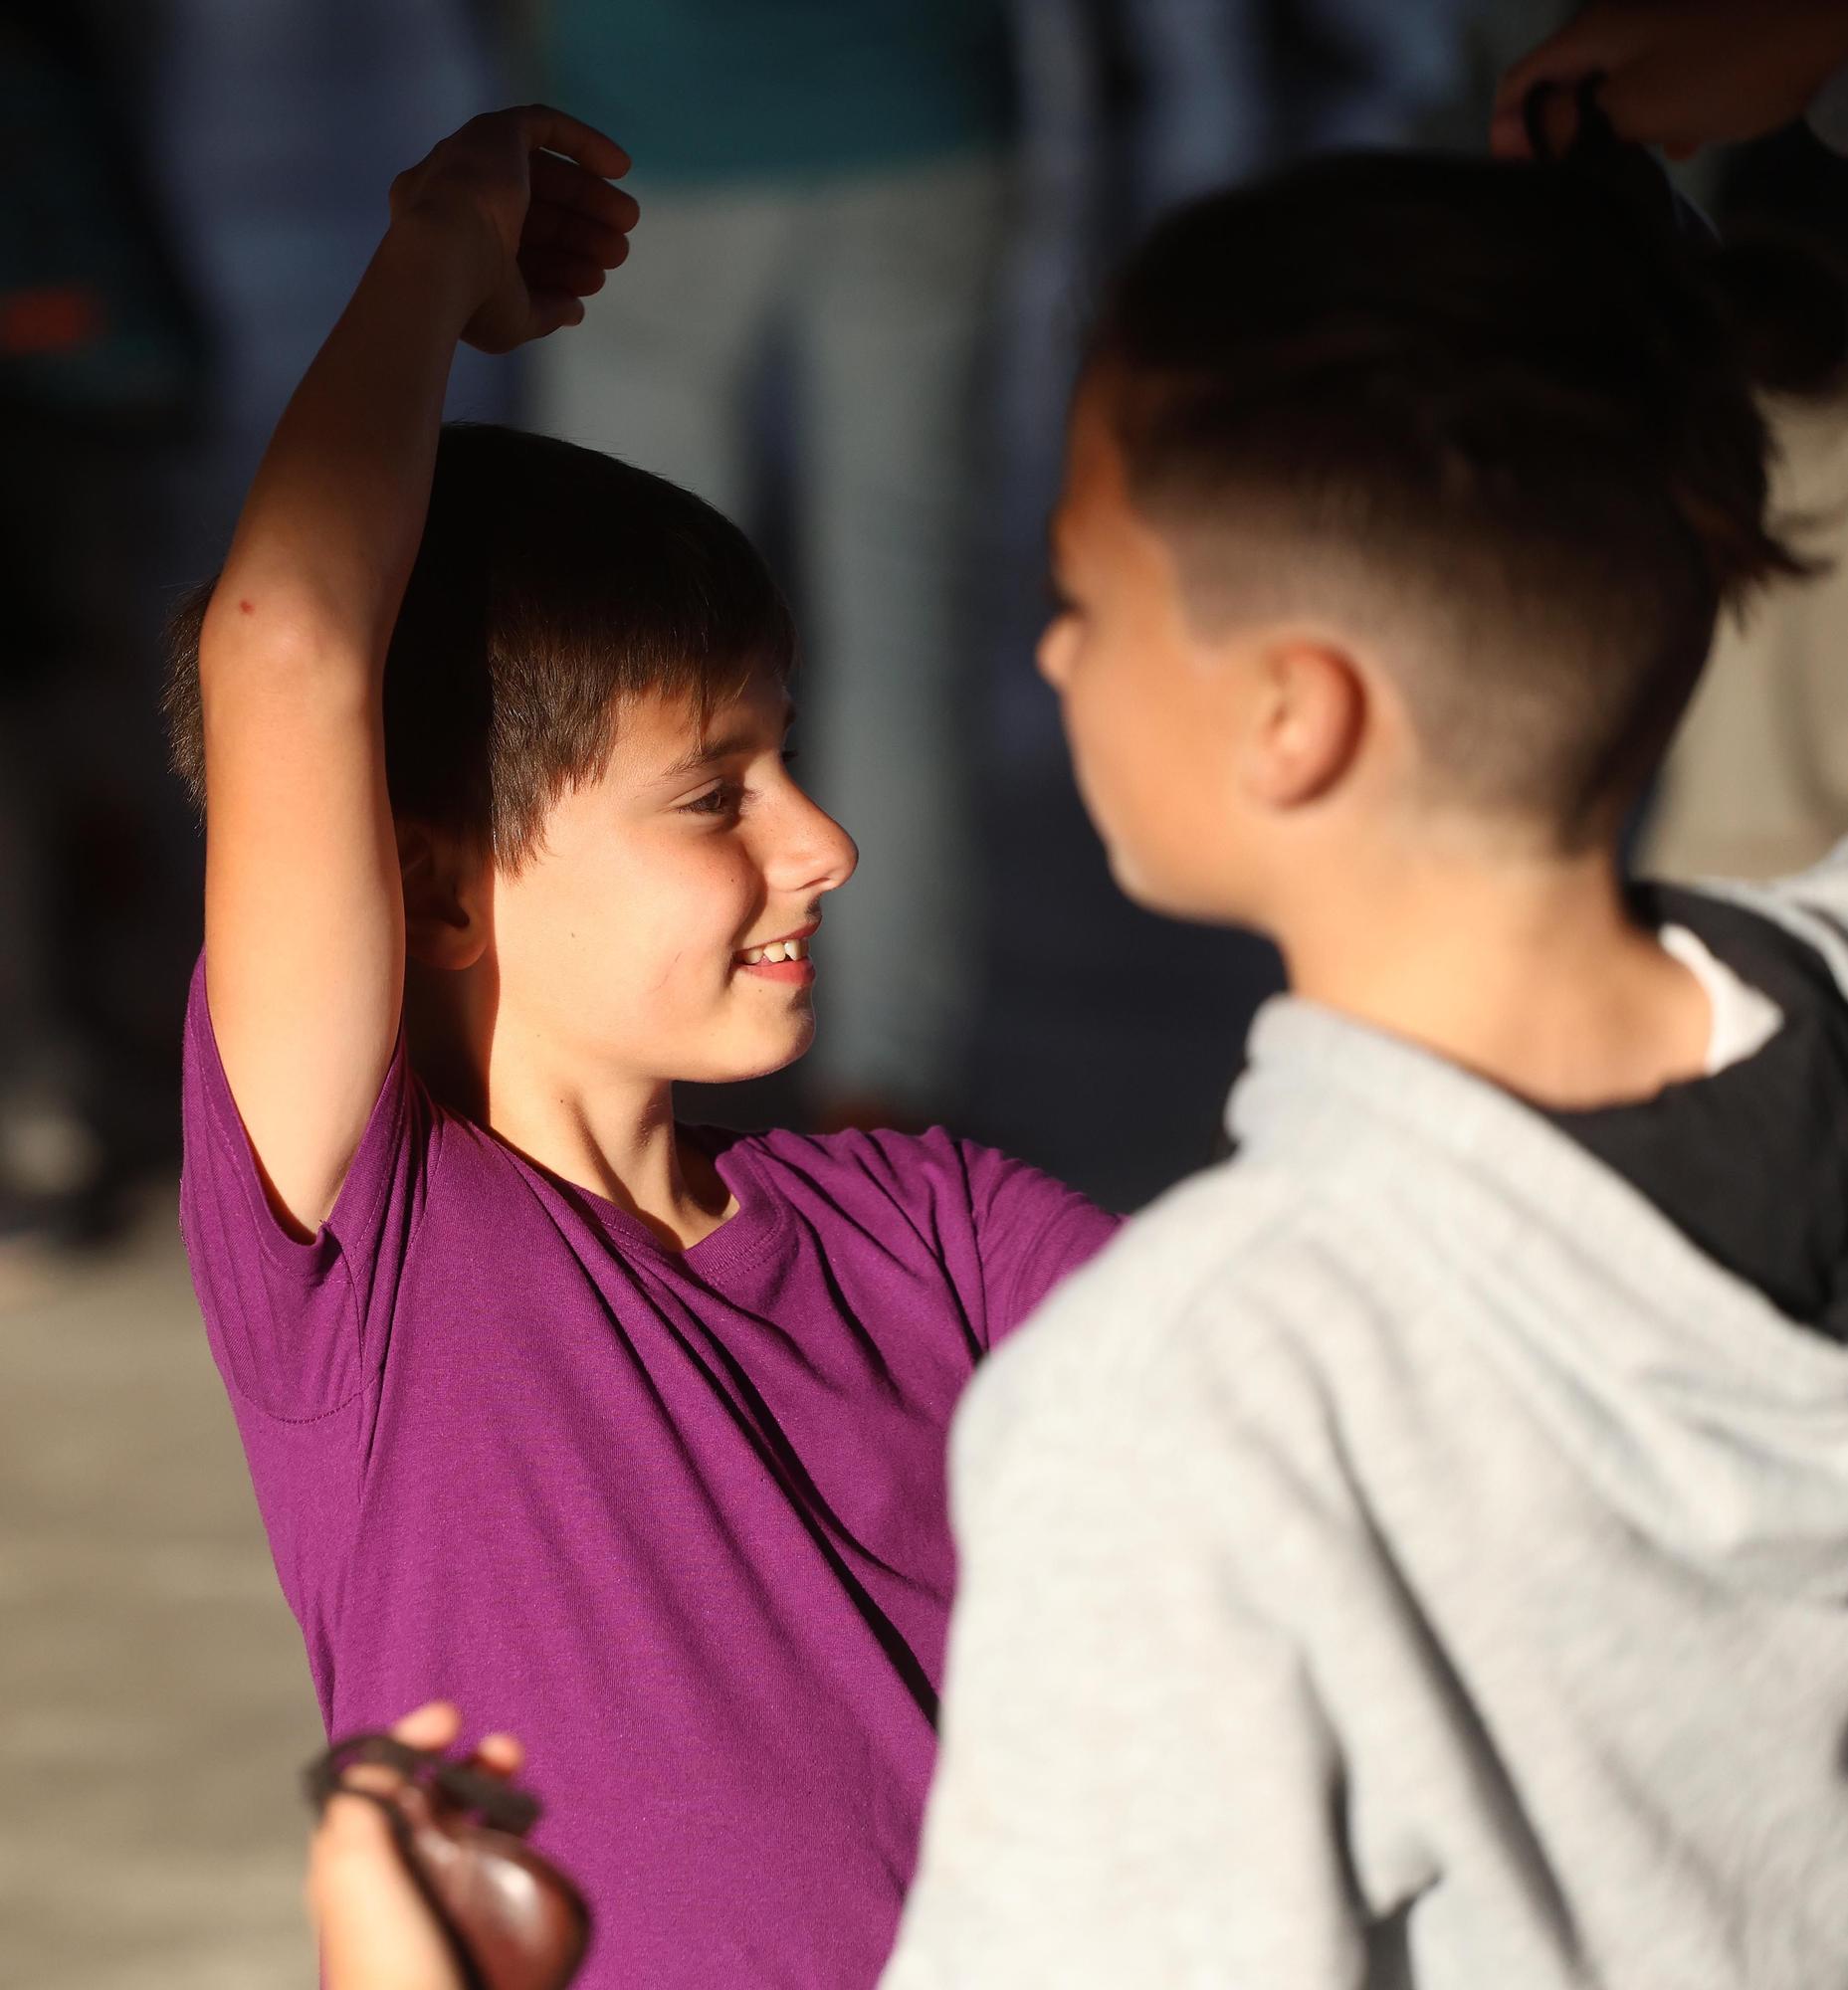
1053 655
843 859
819 856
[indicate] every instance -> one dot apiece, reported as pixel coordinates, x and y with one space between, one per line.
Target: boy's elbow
281 647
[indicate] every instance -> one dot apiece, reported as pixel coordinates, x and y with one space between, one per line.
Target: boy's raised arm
494 238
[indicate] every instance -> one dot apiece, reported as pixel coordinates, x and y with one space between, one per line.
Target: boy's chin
759 1055
1144 884
1195 900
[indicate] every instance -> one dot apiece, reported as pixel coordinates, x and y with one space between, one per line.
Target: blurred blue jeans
276 128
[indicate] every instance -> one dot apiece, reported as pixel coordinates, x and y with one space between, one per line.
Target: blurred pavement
154 1696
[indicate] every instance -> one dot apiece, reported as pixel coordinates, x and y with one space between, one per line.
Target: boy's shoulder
933 1167
1209 1273
1198 1368
1006 1233
878 1153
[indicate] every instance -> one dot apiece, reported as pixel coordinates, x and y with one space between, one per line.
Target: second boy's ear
445 896
1307 718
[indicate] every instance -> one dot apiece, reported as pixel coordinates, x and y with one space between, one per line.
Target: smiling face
630 943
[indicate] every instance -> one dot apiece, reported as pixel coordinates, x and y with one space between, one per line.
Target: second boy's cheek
1091 732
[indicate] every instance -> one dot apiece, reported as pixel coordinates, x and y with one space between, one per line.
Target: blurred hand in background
1682 73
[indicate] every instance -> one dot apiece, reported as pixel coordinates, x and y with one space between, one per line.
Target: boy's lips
798 973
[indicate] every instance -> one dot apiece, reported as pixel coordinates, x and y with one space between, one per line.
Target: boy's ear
1306 724
445 896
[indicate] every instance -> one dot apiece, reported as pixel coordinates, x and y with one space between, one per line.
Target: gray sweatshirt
1402 1557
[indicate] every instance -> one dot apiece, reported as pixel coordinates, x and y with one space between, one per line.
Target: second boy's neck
1534 976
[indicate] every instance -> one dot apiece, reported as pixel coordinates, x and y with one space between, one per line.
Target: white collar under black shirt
1751 1160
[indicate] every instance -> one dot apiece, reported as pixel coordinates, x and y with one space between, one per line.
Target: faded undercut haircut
552 584
1500 416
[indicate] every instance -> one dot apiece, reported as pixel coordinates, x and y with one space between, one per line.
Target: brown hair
551 584
1499 407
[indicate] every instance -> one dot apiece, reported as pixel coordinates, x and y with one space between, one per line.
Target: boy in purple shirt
631 1432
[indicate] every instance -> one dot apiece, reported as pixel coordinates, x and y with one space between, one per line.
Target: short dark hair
551 583
1502 402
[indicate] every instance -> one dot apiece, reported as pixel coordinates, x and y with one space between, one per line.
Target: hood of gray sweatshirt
1707 1420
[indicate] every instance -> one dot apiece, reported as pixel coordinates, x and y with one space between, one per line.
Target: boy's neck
1533 974
615 1138
619 1142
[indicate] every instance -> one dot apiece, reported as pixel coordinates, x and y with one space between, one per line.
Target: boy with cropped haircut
1416 1550
630 1432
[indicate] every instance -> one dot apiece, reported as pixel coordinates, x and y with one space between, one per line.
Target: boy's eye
729 798
726 799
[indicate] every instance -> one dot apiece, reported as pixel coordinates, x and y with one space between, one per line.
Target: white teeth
776 953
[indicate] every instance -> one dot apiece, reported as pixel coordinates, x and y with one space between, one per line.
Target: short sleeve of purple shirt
678 1519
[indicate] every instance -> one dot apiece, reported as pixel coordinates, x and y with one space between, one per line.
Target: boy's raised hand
528 189
497 238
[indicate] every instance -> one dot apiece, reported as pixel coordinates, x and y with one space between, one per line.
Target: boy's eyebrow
708 752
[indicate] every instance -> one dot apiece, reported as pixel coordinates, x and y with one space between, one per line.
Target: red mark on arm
245 605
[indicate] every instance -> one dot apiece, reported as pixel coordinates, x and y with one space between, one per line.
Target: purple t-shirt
677 1518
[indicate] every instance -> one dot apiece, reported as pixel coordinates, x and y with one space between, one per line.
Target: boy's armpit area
296 1318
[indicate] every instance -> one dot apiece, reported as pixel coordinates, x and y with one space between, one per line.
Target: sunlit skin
1268 774
1180 738
580 985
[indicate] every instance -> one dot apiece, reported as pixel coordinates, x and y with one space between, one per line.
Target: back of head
1500 419
551 584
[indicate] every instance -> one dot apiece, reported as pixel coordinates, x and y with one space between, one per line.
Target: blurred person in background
272 128
188 187
826 181
1758 783
1229 88
100 367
